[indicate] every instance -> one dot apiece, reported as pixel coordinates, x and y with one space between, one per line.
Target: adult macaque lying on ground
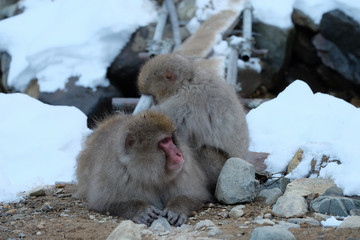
135 167
204 108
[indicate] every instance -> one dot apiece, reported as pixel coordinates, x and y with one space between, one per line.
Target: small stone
321 217
214 231
263 222
295 161
308 220
333 191
11 211
46 207
355 212
127 230
204 224
38 233
161 225
351 222
271 232
270 195
236 212
37 192
290 206
18 216
287 225
268 216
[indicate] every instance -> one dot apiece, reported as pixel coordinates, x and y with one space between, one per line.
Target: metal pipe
174 23
245 52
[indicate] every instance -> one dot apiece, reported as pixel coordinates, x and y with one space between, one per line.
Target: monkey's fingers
147 215
175 218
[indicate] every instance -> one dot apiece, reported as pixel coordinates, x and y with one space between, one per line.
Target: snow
39 143
331 222
278 12
319 124
53 40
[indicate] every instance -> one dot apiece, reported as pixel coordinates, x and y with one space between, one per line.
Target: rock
278 183
338 206
339 53
290 206
332 57
355 212
351 222
308 220
237 211
126 230
308 186
94 104
335 25
278 55
334 191
270 195
161 225
295 161
271 233
204 224
236 182
303 20
263 222
287 225
37 192
214 231
321 217
46 207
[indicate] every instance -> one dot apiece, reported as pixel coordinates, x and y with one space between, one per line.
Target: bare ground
59 216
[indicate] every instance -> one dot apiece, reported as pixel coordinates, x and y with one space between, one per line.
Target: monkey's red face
174 158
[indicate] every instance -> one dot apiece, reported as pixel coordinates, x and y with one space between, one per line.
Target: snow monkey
204 108
137 168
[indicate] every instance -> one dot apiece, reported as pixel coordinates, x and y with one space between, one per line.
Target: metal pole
245 52
174 22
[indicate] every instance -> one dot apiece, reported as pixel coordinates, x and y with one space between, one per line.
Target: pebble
308 220
204 224
270 195
264 222
236 212
214 231
351 222
271 233
161 225
290 206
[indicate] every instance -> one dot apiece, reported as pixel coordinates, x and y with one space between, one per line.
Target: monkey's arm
136 210
179 208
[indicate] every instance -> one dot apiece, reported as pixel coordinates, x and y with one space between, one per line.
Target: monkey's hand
146 215
174 218
179 208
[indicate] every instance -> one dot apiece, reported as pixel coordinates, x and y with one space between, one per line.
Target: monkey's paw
147 215
174 218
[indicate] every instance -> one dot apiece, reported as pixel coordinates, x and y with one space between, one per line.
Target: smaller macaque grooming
204 108
135 167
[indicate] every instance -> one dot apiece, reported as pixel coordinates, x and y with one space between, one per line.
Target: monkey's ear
169 76
129 141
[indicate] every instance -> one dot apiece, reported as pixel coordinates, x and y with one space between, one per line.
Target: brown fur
204 108
121 169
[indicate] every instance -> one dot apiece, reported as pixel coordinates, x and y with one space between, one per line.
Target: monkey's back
208 112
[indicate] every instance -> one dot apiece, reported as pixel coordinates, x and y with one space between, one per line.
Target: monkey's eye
165 140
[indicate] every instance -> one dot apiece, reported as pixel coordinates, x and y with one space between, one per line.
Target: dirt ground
59 216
